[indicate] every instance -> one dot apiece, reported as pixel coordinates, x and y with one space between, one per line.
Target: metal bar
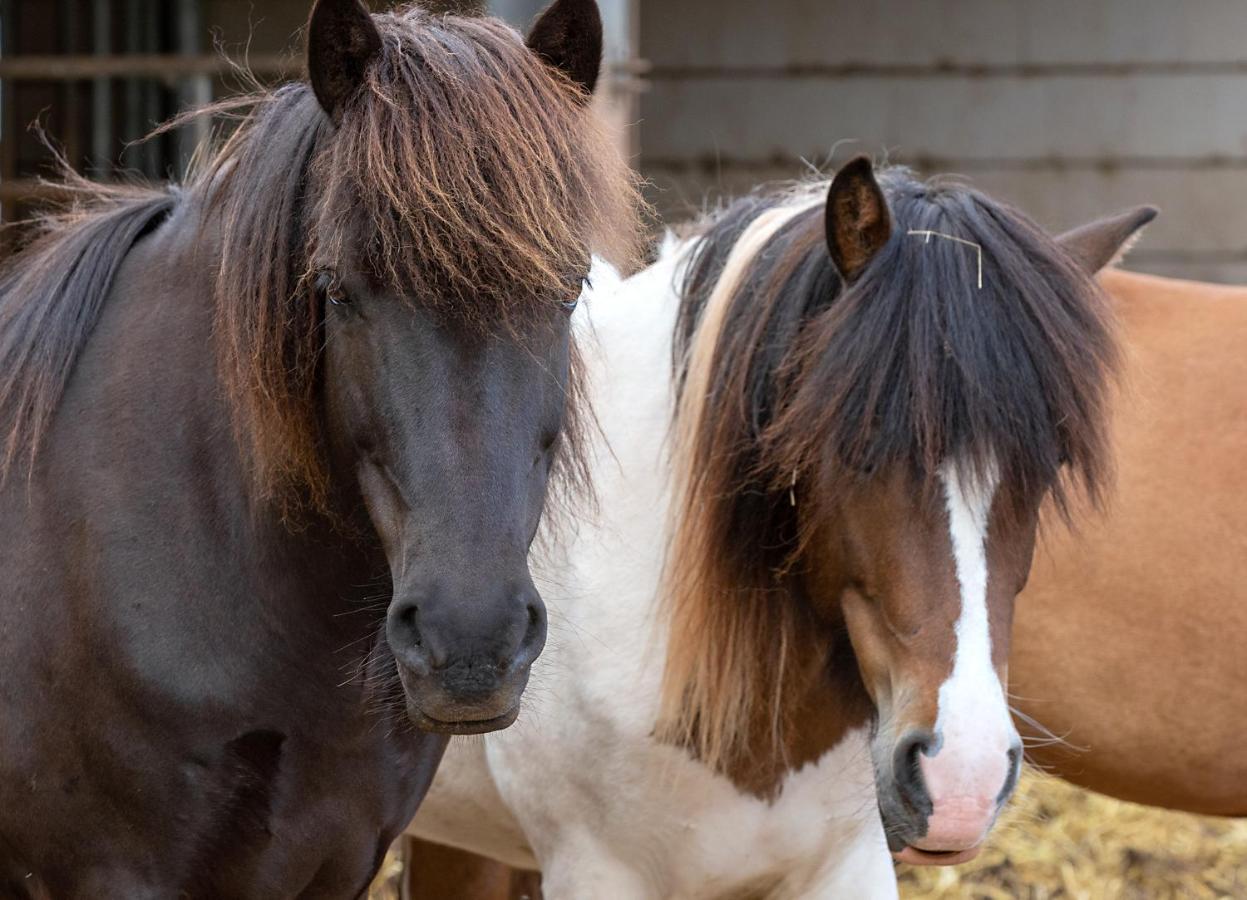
86 68
153 151
195 91
70 137
102 90
132 91
8 148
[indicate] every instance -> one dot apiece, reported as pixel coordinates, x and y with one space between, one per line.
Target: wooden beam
28 189
85 68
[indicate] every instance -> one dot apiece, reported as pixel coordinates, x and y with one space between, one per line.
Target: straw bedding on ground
1060 843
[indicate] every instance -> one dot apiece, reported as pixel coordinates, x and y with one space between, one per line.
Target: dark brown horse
276 444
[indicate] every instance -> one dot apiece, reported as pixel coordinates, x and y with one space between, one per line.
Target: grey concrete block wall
1068 109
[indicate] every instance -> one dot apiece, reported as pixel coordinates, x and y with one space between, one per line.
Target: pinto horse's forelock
814 384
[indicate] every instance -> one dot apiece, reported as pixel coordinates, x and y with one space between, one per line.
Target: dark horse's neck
189 706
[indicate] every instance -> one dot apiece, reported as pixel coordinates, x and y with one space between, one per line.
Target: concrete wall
1068 108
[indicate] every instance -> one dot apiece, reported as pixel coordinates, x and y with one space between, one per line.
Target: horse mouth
425 722
915 857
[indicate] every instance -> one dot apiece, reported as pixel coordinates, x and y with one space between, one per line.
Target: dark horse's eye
330 287
585 285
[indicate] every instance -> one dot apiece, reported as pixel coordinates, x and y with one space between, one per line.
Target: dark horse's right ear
858 221
341 40
568 36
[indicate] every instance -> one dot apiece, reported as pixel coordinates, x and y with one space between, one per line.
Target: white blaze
975 732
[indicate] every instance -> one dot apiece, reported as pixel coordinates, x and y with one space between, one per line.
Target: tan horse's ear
342 40
1105 241
568 36
858 221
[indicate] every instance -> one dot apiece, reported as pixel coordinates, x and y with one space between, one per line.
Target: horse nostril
907 772
407 621
534 635
405 637
1011 780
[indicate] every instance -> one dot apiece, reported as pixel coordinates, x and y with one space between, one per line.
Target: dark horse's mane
793 385
466 173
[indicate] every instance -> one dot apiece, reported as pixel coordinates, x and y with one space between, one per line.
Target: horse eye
585 285
329 285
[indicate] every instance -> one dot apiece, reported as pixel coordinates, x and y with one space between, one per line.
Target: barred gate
100 74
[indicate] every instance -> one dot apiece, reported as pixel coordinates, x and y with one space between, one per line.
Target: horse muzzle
939 802
462 700
464 667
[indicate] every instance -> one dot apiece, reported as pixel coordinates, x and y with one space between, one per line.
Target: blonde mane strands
716 675
478 169
793 380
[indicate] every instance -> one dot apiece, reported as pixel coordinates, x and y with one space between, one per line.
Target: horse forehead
900 522
929 546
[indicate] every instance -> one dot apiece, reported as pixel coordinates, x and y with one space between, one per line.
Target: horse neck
157 335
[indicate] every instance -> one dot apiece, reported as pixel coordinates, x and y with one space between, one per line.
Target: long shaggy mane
466 174
793 386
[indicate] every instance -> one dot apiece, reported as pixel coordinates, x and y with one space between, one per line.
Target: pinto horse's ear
858 221
568 36
341 40
1105 241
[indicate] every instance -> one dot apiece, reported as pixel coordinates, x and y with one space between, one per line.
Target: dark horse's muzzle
464 664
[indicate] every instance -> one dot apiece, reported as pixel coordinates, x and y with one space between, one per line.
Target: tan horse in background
1130 642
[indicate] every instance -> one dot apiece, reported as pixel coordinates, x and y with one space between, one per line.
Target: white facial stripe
973 723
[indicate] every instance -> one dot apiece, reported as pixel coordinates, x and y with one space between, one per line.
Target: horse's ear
341 40
1105 241
858 221
568 36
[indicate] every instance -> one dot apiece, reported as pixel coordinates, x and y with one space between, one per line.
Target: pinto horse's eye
330 287
569 306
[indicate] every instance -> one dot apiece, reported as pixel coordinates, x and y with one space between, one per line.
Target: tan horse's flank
1130 640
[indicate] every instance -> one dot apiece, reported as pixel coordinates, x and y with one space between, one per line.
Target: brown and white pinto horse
1130 641
876 386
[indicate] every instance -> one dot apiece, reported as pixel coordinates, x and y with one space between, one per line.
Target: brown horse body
1128 642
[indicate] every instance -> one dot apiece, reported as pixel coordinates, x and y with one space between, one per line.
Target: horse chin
439 707
906 835
425 722
914 857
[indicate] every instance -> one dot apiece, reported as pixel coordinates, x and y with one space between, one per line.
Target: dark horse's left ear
1106 240
858 221
568 36
341 40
